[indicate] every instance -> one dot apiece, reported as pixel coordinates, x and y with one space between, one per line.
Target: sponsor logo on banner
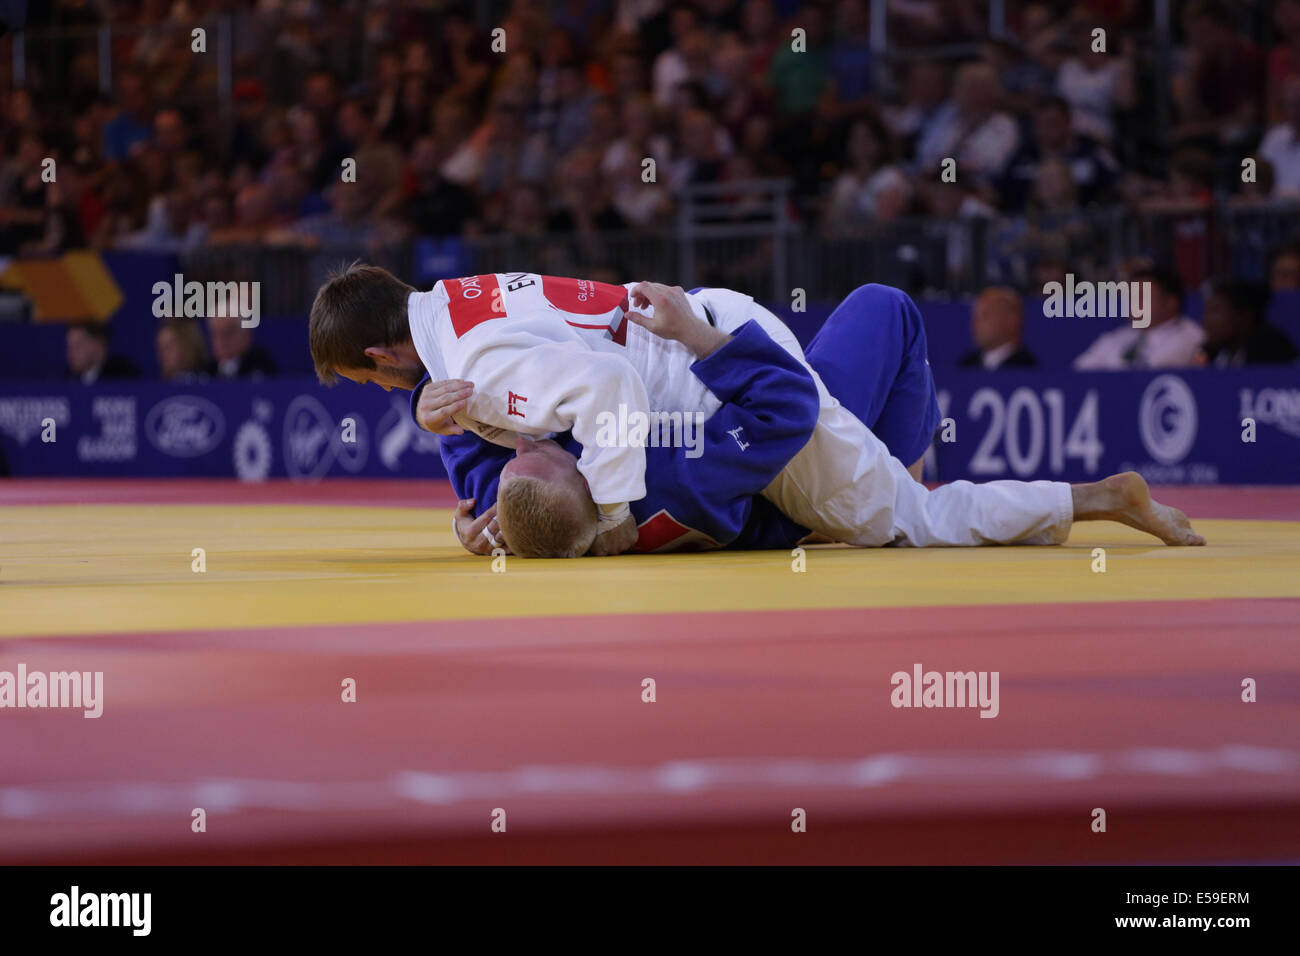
1167 419
1168 424
252 452
396 434
20 418
116 438
1279 407
185 426
313 441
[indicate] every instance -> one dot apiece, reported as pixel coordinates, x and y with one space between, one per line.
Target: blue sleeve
415 396
473 465
769 410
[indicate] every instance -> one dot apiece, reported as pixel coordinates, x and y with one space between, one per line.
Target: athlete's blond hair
544 519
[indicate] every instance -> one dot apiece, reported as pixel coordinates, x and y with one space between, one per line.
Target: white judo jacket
549 354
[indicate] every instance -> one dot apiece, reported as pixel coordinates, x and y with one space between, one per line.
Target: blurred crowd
450 134
181 349
551 135
1234 331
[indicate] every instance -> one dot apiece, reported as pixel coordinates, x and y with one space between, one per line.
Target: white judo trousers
845 484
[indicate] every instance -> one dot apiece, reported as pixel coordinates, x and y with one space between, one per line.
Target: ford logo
185 426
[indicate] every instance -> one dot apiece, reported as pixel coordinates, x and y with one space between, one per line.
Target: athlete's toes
1184 533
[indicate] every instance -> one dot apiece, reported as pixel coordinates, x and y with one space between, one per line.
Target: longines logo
1279 407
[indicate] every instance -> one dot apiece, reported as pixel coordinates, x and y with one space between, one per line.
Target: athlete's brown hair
358 307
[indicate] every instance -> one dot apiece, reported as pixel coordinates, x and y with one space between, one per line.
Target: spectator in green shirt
802 63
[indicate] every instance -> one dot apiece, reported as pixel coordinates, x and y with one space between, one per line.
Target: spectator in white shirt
1171 340
925 109
673 67
1096 84
1281 144
978 134
637 199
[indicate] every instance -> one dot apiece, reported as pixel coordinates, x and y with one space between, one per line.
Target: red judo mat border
1248 502
1231 835
592 779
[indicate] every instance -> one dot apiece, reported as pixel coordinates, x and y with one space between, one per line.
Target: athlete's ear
382 355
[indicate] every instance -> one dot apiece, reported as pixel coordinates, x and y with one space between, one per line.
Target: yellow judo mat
80 569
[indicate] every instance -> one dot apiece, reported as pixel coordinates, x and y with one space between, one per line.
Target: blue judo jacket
708 496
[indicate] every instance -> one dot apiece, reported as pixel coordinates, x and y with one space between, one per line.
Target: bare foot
1129 501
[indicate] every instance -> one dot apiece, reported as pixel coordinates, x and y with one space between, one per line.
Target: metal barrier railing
740 228
773 258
